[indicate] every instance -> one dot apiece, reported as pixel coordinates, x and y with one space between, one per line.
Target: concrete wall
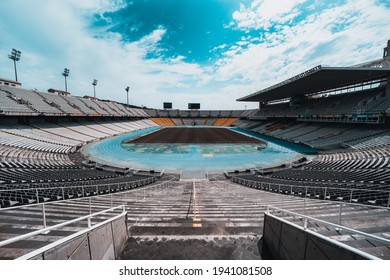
283 241
103 243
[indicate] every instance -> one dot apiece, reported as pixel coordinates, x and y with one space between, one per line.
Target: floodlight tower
94 83
127 91
15 56
66 74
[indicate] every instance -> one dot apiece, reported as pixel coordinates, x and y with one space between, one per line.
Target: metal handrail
66 239
82 186
83 197
339 227
335 242
46 229
314 187
239 180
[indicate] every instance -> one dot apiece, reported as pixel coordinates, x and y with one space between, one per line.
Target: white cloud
97 6
153 38
339 36
58 36
264 13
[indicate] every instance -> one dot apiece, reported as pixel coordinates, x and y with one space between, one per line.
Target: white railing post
44 215
305 223
388 201
37 195
340 212
89 222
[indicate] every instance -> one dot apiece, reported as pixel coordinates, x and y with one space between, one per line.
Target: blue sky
181 51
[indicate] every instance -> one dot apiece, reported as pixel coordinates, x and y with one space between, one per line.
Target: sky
184 51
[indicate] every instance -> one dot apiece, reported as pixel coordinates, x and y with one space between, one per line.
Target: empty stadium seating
18 101
354 175
37 161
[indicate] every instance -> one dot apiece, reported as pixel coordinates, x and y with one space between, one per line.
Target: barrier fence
351 195
25 196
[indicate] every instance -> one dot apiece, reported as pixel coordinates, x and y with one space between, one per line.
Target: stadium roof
316 80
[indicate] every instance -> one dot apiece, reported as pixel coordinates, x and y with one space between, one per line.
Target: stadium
304 176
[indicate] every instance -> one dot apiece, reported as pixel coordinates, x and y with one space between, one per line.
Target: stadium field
178 149
195 135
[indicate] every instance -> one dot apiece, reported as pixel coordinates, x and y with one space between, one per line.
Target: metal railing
121 199
274 211
89 228
351 195
45 230
40 195
118 197
339 206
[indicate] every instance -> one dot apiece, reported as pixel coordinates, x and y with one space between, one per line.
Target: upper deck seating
10 105
61 103
33 99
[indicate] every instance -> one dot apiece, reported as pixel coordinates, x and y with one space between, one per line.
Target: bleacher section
38 157
370 101
11 105
63 137
18 101
353 175
317 135
44 185
32 100
163 121
224 121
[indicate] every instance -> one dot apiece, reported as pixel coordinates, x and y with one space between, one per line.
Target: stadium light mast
94 83
127 91
15 56
66 74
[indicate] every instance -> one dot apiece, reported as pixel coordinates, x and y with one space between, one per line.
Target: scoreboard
194 106
167 105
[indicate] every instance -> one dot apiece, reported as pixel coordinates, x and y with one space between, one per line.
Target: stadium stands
17 101
13 105
42 153
163 121
224 121
348 123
